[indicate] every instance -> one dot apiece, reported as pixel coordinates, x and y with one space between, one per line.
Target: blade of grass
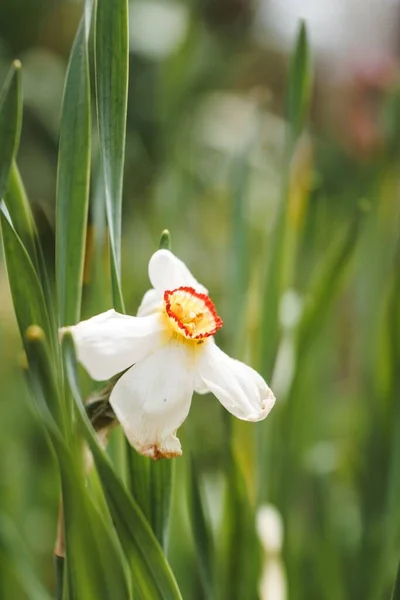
20 213
152 575
298 96
161 476
13 557
111 51
73 183
300 86
28 298
239 545
18 207
392 512
396 589
323 291
201 531
10 122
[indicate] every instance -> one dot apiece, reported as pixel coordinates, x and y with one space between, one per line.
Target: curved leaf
73 183
10 122
111 33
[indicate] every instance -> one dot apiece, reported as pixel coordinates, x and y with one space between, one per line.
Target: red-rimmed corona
191 314
167 352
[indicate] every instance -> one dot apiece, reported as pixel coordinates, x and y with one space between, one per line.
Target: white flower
169 352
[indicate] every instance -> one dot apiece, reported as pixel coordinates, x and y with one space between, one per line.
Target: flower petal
167 272
153 399
151 302
110 342
239 388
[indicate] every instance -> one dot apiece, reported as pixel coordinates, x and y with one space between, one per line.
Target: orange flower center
191 314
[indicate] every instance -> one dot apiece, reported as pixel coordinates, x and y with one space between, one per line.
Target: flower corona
191 314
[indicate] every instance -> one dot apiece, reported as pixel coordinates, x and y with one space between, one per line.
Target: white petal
153 399
239 388
167 272
110 342
151 303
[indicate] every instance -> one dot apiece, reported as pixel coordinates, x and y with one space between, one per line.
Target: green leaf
161 476
95 566
13 557
396 589
20 213
27 294
17 204
10 122
111 32
201 531
94 560
326 282
138 469
73 183
239 544
300 85
151 573
297 105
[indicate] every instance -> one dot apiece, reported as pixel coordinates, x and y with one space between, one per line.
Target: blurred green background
206 158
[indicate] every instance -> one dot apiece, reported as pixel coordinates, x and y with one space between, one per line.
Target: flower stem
59 553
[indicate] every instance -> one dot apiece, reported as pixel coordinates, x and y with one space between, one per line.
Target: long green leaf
161 477
20 213
152 575
396 589
327 281
10 122
18 207
298 95
111 33
13 557
300 83
73 183
201 532
94 560
28 298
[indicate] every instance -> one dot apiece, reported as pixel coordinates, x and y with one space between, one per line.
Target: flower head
168 352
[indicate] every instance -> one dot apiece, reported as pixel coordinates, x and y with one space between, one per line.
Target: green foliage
10 122
73 183
309 286
111 33
300 83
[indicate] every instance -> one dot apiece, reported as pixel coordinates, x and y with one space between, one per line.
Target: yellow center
191 314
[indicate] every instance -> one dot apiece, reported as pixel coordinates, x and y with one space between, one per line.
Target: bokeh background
205 158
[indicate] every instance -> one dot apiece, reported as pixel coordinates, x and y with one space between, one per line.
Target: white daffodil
169 352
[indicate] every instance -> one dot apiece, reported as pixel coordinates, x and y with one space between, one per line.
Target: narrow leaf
73 183
27 294
20 213
111 53
94 562
13 557
161 475
10 122
300 82
201 531
396 589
